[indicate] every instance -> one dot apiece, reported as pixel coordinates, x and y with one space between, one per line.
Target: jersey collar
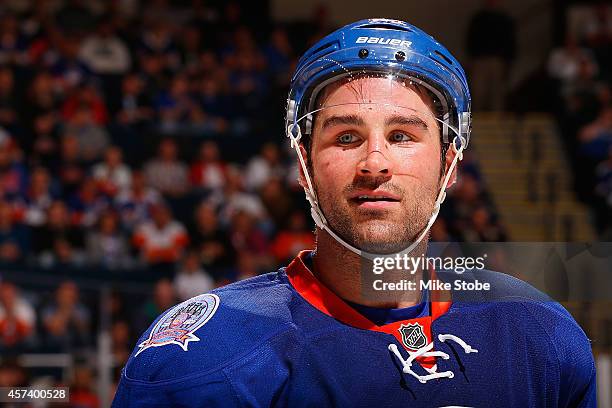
327 302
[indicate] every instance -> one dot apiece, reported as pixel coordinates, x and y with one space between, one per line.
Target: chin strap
319 217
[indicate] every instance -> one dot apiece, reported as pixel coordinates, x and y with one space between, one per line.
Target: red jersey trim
327 302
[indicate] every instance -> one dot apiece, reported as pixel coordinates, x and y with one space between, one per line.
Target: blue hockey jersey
284 339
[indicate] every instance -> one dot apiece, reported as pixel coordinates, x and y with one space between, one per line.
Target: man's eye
400 137
346 138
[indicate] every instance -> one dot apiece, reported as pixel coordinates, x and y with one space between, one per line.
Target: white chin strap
319 217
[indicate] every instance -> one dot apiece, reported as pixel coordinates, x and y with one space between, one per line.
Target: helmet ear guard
465 126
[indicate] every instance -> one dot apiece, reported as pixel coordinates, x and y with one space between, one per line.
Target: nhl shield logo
413 335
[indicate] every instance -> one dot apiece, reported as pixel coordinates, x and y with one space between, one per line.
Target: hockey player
379 115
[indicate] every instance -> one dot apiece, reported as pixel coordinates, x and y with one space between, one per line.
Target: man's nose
377 161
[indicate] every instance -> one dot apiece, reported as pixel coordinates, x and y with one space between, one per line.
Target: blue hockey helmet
382 46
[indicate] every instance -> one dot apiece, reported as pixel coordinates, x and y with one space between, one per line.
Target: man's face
376 163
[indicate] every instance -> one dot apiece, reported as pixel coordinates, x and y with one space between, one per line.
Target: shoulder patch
177 325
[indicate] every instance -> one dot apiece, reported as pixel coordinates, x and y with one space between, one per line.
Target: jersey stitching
233 388
222 366
548 337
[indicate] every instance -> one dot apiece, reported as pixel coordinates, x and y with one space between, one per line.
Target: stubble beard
379 231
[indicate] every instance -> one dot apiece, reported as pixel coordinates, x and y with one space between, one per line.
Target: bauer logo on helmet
383 41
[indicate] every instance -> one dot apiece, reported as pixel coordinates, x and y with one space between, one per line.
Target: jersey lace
425 351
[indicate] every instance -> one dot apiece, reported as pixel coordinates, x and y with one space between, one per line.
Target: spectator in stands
596 137
157 39
106 245
153 73
179 111
42 97
166 173
214 102
86 95
8 100
68 69
92 139
87 204
12 374
112 174
293 239
603 192
278 202
242 47
164 297
66 320
104 52
57 241
211 67
246 64
44 147
38 198
13 45
245 236
482 228
75 17
491 46
13 172
232 17
17 317
14 237
121 342
604 179
161 240
136 108
246 267
234 199
263 167
208 172
190 48
71 170
191 279
464 199
598 37
572 65
212 244
82 388
135 202
439 232
33 24
279 55
117 307
133 115
216 108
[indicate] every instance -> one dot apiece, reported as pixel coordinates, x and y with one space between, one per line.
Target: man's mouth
374 199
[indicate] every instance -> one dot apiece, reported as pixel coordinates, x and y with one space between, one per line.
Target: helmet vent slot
444 57
386 27
323 50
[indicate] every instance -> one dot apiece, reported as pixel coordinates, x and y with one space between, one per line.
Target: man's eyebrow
336 120
406 121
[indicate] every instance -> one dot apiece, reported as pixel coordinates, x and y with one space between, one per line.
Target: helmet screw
363 53
400 55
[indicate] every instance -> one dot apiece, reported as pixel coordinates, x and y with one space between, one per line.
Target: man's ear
302 177
450 156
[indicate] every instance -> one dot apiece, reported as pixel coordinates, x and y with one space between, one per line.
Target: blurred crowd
148 142
582 71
